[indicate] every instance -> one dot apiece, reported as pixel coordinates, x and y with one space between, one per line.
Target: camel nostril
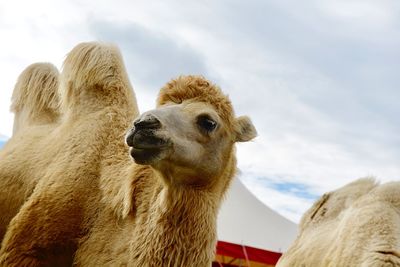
147 121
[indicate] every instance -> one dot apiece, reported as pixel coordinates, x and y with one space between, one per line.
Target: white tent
246 221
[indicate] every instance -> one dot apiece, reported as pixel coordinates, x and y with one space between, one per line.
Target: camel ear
245 130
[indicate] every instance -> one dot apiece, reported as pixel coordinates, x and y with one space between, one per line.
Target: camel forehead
197 89
187 108
196 108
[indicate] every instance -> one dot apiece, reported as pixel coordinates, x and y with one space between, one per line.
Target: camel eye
206 123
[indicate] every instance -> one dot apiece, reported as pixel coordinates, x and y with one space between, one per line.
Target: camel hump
93 72
332 203
36 90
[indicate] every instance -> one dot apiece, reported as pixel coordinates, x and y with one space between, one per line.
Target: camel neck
180 229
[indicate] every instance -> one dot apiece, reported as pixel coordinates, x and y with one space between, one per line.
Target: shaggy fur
162 222
35 100
356 225
35 106
65 160
93 206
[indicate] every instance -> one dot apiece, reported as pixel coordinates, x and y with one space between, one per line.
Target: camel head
189 138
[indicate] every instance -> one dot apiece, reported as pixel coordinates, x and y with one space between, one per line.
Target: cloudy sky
319 78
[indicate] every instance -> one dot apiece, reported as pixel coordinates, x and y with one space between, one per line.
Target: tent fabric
245 220
246 252
225 261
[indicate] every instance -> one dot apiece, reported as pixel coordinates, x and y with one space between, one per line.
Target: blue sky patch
296 189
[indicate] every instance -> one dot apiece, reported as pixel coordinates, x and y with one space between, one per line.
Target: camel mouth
145 145
145 156
145 139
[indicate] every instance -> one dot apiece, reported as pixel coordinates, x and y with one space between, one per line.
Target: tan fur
197 89
94 206
65 160
35 99
356 225
160 220
35 105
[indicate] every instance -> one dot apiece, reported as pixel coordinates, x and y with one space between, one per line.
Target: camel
184 155
97 106
356 225
35 107
104 209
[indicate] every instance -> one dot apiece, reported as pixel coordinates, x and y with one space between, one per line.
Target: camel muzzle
144 143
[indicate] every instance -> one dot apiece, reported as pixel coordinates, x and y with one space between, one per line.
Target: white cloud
40 31
288 205
3 137
367 12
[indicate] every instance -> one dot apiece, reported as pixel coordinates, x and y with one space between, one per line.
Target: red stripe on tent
253 254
